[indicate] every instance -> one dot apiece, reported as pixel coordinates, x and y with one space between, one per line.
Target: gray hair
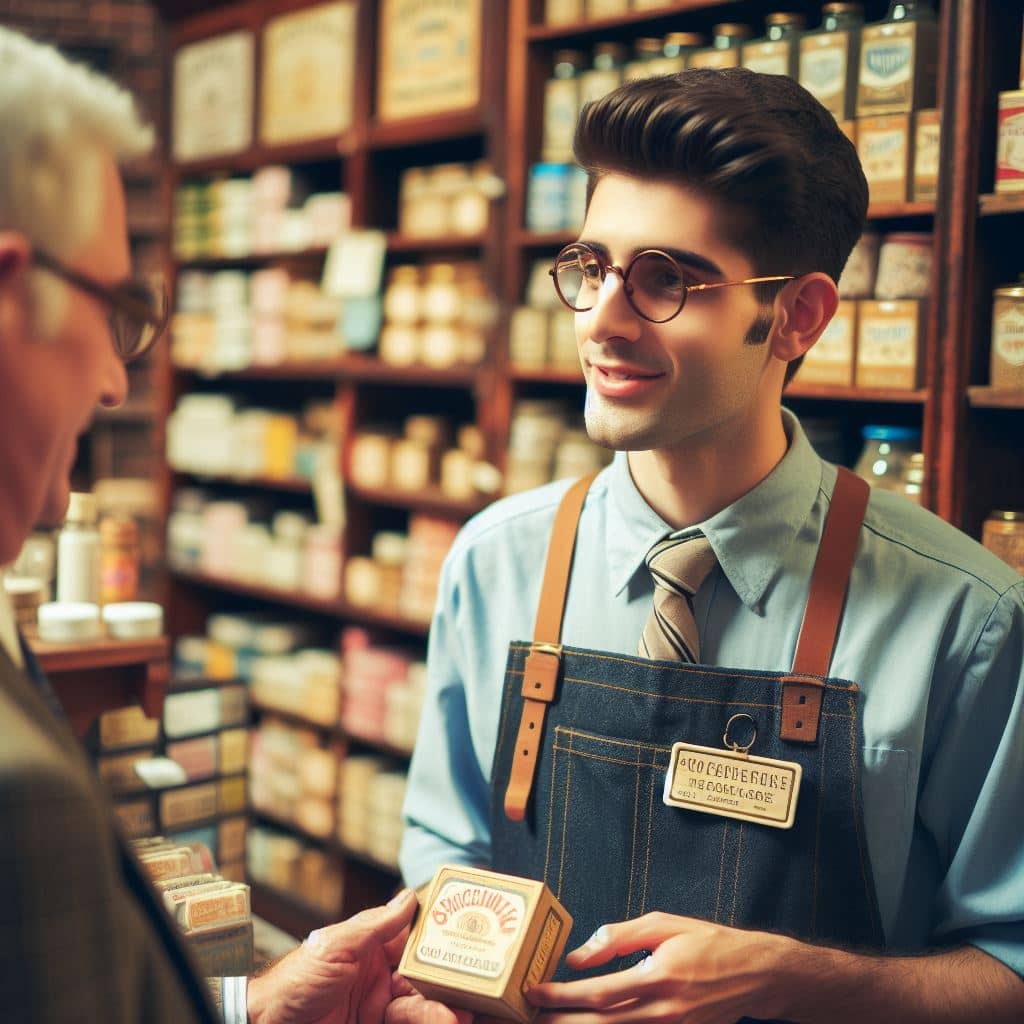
58 121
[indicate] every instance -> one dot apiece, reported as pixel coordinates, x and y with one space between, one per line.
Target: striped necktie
679 566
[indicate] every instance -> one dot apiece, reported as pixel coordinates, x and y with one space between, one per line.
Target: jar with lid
777 52
675 52
886 454
119 559
645 59
78 552
1003 535
829 58
1007 359
898 60
403 297
562 106
904 266
724 52
441 300
605 73
913 478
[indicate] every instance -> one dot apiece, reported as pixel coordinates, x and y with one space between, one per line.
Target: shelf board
337 609
431 500
891 211
287 911
103 652
334 147
1000 202
335 729
547 374
412 243
984 397
417 130
352 367
833 393
597 26
525 239
252 259
295 485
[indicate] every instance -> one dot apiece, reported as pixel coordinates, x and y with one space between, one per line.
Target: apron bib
584 744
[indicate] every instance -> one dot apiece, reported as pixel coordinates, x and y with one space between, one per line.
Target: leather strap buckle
801 708
540 675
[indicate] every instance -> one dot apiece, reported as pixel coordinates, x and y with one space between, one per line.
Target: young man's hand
342 974
698 972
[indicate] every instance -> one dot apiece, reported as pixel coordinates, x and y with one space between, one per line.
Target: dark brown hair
788 180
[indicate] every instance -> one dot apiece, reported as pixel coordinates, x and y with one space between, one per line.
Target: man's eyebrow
685 256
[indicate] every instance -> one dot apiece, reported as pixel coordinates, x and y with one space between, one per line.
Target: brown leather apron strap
802 691
540 677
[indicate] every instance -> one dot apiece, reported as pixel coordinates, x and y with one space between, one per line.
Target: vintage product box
828 69
898 62
831 359
889 344
483 939
926 156
883 144
1010 148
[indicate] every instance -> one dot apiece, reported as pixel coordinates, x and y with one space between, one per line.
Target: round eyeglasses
655 283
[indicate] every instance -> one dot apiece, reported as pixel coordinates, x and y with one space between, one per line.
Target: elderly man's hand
342 974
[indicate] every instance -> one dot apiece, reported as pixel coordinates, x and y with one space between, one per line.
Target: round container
904 266
441 299
1003 535
119 560
1007 358
69 621
403 297
886 455
78 553
134 620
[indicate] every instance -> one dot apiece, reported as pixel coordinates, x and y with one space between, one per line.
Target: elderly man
81 935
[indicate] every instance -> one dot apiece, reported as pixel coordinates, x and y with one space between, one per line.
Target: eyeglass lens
656 287
133 331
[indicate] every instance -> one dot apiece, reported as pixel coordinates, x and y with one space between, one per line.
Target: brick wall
125 40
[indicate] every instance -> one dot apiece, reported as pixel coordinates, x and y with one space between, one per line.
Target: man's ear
802 312
15 255
15 262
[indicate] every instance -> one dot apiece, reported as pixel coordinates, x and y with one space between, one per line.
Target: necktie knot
679 567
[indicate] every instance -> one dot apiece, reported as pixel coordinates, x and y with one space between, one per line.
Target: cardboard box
483 939
927 136
1010 152
883 144
831 360
889 344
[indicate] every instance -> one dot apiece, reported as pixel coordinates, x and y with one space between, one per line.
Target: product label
1010 158
823 69
595 84
472 928
888 341
883 154
561 108
836 342
767 58
887 67
542 954
715 58
926 156
1008 334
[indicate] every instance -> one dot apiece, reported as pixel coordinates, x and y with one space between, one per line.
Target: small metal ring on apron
732 744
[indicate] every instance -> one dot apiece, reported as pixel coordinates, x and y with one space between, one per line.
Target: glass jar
1003 535
913 478
562 106
605 74
886 454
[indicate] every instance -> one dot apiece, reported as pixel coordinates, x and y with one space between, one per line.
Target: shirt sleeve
447 802
229 998
972 794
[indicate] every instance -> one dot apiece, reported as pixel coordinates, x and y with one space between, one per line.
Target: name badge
733 784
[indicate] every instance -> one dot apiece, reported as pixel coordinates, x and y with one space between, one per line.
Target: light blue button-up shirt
933 633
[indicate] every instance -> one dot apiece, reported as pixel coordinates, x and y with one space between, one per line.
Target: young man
83 937
834 838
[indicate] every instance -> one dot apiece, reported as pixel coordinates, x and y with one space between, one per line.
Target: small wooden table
97 675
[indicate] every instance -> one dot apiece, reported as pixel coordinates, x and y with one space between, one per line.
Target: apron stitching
619 743
599 757
817 835
858 821
721 870
551 803
632 852
690 669
736 876
565 816
650 830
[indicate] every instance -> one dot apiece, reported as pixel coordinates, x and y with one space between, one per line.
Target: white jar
78 553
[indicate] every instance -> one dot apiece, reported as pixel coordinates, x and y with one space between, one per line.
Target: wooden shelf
106 652
893 211
599 26
419 130
252 259
984 397
431 500
525 239
287 911
334 729
995 203
547 375
255 157
841 394
352 367
411 243
294 485
336 609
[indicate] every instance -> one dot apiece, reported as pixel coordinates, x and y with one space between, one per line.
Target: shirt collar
8 627
750 537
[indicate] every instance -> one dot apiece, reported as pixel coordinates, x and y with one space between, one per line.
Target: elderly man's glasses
138 313
654 282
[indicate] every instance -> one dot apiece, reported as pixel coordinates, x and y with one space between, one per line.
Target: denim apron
584 743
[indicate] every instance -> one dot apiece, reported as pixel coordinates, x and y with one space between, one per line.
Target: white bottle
78 552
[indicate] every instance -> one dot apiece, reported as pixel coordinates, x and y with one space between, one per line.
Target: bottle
676 50
78 552
829 58
561 106
898 61
119 559
777 52
604 74
886 456
646 57
724 51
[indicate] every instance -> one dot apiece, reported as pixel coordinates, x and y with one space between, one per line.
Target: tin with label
1010 150
1007 358
484 939
888 344
830 360
883 144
